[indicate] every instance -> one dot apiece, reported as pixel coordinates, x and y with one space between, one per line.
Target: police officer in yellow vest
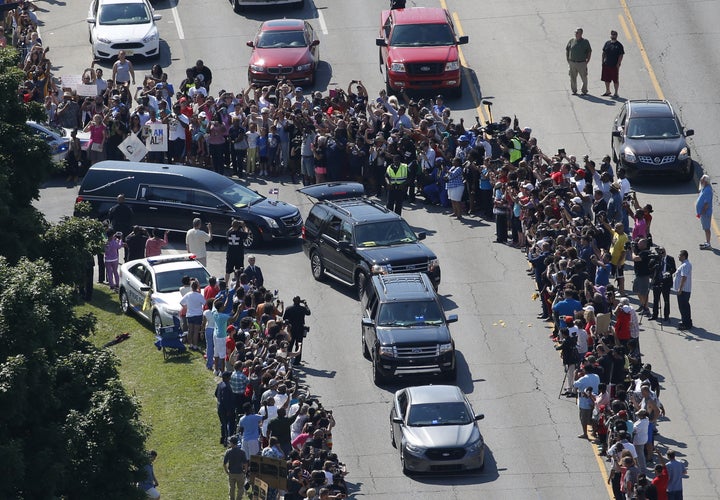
512 146
396 178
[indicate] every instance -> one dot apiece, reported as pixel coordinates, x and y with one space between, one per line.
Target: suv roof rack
386 279
341 205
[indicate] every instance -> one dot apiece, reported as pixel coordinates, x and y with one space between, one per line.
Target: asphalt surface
506 362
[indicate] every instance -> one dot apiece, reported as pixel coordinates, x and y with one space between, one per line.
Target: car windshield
413 313
429 414
391 232
124 13
422 35
240 196
54 128
652 128
281 39
170 280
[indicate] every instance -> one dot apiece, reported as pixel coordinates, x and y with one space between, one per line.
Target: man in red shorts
612 55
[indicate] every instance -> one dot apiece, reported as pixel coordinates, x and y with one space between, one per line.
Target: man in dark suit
254 272
662 283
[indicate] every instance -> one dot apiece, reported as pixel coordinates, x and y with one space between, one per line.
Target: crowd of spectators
572 219
262 407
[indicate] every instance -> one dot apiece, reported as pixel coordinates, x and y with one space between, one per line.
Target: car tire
378 377
405 470
157 322
236 6
689 174
124 301
365 350
316 266
392 436
614 155
451 375
361 279
254 238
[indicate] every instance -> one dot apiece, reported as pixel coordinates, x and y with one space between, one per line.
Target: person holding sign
98 136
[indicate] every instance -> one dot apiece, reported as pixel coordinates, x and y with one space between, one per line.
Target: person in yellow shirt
618 249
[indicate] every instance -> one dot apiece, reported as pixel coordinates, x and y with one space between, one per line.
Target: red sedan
284 48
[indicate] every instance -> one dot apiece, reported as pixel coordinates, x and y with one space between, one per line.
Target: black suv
404 328
648 139
352 238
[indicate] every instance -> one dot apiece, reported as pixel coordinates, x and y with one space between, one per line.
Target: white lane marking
321 20
176 17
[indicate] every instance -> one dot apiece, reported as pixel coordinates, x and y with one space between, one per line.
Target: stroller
168 339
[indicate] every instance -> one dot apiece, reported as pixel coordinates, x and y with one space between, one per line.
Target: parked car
404 328
129 25
58 139
161 278
419 50
240 5
649 139
169 197
284 49
350 238
436 430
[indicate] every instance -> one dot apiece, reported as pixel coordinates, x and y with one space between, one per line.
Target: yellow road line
643 52
624 26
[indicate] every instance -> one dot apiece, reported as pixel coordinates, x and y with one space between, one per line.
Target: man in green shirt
578 54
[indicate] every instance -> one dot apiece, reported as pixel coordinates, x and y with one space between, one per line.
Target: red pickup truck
419 49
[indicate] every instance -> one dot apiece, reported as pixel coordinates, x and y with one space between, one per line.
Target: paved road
507 365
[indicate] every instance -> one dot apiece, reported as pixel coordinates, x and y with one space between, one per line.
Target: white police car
161 277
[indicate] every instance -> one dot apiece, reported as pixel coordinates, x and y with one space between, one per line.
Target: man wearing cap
235 463
612 55
577 53
396 178
68 111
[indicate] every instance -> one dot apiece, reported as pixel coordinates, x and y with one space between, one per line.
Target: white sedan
128 25
160 277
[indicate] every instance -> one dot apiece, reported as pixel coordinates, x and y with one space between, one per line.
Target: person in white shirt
195 240
682 284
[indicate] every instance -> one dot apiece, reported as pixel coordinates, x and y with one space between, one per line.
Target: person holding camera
295 316
662 283
196 238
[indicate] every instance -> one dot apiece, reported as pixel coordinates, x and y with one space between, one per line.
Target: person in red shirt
622 324
661 479
211 290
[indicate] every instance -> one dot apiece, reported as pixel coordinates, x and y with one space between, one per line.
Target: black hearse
169 197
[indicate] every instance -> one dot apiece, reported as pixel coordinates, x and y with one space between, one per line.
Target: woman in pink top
154 245
98 135
639 226
112 258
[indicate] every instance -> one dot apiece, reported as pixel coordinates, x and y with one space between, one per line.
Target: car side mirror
157 17
421 235
463 40
452 318
367 322
617 133
380 42
343 245
90 20
250 43
689 132
397 420
315 43
479 416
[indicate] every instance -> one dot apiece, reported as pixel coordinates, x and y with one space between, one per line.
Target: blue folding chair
168 339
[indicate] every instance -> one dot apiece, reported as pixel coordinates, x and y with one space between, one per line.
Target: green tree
64 410
70 245
25 163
